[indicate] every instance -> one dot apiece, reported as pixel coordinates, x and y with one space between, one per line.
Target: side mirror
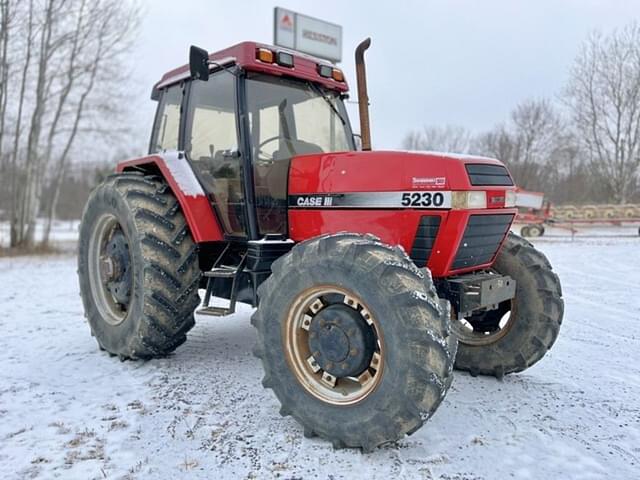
199 63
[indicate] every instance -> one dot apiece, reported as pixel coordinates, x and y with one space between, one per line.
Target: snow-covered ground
629 229
68 410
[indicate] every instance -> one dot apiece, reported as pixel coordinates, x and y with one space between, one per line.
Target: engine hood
389 171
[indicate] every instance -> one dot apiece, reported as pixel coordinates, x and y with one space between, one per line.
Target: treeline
72 193
63 77
584 146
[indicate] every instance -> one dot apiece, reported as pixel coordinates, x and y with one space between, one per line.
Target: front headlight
510 198
469 199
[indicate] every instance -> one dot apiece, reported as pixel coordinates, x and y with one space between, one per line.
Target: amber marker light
337 75
264 55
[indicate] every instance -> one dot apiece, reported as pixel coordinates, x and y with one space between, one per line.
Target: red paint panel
395 227
305 66
388 171
380 171
196 208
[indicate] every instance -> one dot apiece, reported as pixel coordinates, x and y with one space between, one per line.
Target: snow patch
459 156
265 240
182 173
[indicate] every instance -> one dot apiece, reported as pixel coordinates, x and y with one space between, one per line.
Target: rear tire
415 348
534 322
160 261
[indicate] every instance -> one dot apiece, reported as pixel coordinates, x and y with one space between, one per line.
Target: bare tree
530 144
68 59
537 128
498 143
29 190
107 30
604 97
7 17
15 175
450 138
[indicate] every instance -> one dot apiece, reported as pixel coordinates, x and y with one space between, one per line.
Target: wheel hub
484 328
341 341
334 345
116 266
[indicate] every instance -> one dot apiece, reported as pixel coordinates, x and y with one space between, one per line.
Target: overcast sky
462 62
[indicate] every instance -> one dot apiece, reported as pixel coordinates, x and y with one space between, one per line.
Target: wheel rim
324 334
110 269
487 327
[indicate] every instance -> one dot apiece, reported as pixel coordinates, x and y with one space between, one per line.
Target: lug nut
108 267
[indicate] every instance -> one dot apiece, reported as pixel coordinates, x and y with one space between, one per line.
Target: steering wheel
269 140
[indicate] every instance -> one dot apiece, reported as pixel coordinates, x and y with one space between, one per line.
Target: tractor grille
482 175
425 236
481 239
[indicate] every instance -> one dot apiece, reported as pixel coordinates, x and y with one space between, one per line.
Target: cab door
211 143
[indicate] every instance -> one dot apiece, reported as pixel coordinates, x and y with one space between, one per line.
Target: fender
193 200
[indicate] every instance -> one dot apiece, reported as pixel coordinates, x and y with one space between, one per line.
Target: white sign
307 34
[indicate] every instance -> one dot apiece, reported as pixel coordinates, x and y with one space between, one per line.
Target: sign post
307 34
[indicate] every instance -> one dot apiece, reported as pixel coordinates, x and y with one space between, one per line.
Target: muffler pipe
363 97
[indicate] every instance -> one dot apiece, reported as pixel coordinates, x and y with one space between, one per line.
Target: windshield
293 117
287 118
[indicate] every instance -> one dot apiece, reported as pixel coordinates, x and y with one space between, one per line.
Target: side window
211 144
167 124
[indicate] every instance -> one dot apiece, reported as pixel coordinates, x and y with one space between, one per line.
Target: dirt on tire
536 314
419 346
164 261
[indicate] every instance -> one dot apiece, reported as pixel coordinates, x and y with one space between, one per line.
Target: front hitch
476 291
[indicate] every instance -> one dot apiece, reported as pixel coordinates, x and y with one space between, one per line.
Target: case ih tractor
369 269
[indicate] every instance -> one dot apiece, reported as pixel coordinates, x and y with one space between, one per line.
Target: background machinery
534 214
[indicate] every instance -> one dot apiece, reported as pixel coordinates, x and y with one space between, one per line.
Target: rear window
167 125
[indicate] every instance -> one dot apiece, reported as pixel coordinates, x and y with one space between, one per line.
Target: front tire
325 300
521 331
137 267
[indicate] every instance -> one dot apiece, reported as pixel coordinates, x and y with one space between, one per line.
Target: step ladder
221 272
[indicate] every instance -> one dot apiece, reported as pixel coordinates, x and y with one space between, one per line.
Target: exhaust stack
363 97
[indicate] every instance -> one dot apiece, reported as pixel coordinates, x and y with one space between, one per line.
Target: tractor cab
246 112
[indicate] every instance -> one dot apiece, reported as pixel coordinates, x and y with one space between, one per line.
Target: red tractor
374 273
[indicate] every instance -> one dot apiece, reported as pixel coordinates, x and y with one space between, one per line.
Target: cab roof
244 54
